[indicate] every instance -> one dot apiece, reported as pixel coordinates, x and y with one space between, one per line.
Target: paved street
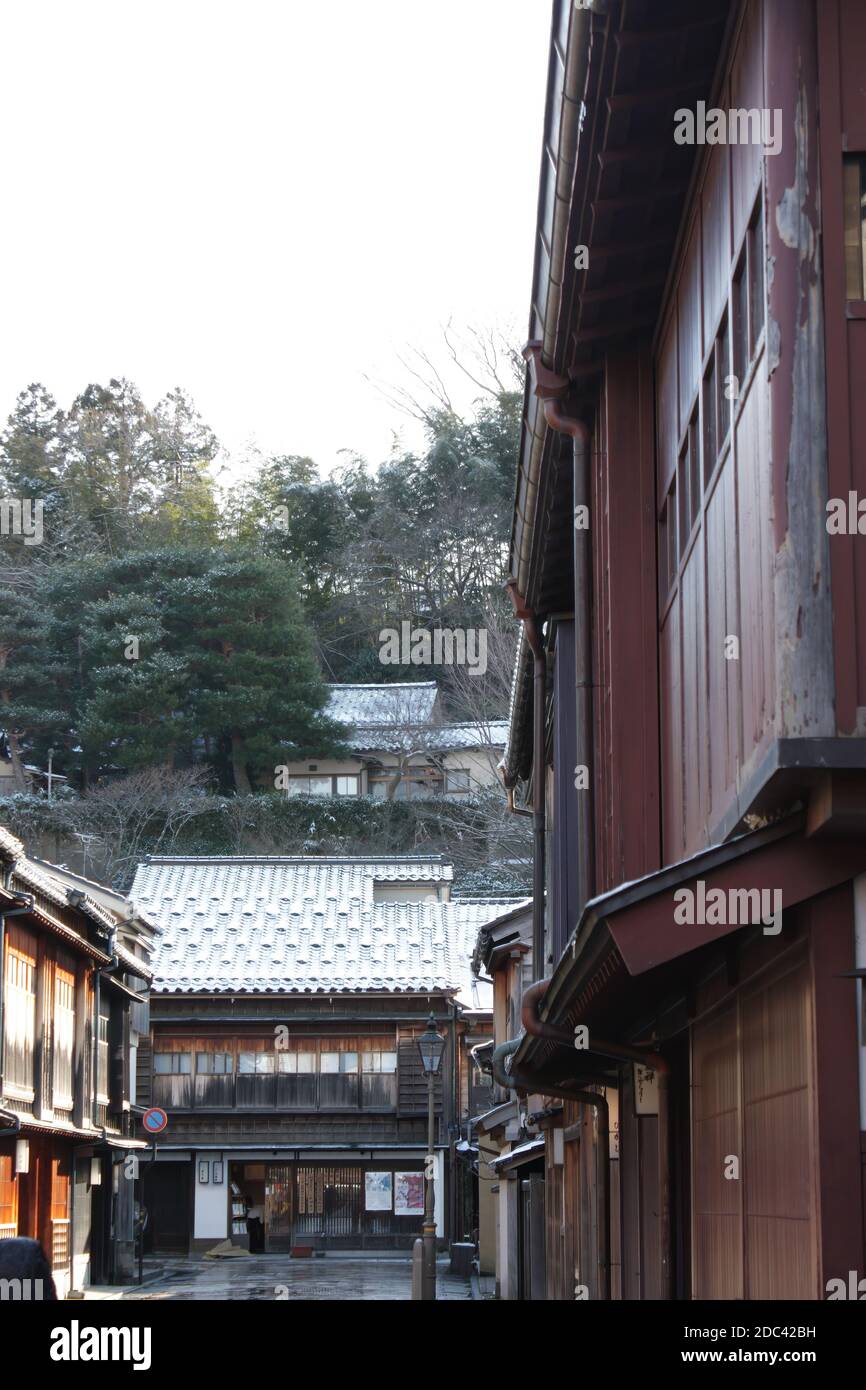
334 1278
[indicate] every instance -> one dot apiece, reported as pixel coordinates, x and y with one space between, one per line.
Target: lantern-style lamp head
431 1045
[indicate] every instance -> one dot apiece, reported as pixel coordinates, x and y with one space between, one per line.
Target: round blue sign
154 1120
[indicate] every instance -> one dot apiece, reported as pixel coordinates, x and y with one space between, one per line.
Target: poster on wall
377 1191
408 1194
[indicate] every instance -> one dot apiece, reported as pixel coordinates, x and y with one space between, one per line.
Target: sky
266 203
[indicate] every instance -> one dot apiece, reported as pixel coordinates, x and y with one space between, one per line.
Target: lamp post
431 1045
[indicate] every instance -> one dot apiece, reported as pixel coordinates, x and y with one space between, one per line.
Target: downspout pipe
512 1080
527 616
550 388
618 1052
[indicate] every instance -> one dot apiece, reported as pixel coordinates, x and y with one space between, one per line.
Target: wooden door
754 1163
168 1198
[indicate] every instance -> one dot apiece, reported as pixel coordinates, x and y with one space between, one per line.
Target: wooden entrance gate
316 1200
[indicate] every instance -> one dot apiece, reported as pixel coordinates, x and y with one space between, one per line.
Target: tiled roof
10 847
304 926
458 736
403 703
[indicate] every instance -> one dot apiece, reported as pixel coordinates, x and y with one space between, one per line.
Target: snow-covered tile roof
304 926
402 703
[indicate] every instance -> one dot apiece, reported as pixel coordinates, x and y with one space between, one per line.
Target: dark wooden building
287 999
689 714
73 999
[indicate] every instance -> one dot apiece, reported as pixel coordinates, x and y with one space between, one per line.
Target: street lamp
431 1045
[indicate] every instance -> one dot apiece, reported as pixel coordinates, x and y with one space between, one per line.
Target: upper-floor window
172 1063
379 1061
255 1063
64 1030
308 1074
296 1063
457 779
102 1054
214 1063
20 1008
705 439
854 194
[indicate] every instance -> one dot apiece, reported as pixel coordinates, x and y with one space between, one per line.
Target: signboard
377 1191
646 1091
408 1194
154 1120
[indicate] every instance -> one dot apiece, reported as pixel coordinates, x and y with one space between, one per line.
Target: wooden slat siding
690 348
798 418
716 247
723 682
564 860
694 753
755 572
841 46
570 1203
778 1143
553 1213
842 50
144 1072
673 768
716 1201
709 725
629 1213
753 1097
601 642
647 1131
747 90
626 775
615 1231
667 410
412 1083
836 1119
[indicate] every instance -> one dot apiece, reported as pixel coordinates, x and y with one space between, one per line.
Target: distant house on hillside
17 776
401 747
288 996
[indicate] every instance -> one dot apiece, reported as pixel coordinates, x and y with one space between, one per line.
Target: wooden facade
70 982
696 373
290 1102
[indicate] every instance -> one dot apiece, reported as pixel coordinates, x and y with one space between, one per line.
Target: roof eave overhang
633 931
613 181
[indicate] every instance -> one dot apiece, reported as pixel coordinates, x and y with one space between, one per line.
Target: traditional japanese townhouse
399 744
509 1130
73 995
287 999
689 716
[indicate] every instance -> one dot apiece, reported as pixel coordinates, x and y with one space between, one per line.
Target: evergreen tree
29 669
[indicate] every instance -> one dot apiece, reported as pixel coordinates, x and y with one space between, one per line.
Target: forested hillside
180 615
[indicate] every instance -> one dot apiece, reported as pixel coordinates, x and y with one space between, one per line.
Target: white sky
263 202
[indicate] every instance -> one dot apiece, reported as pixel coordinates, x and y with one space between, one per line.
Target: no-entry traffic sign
154 1120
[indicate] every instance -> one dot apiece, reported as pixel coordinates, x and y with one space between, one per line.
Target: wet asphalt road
269 1278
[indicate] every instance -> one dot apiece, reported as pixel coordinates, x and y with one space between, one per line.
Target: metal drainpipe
510 1080
527 616
535 1026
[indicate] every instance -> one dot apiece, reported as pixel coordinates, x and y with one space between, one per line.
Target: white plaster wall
211 1205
